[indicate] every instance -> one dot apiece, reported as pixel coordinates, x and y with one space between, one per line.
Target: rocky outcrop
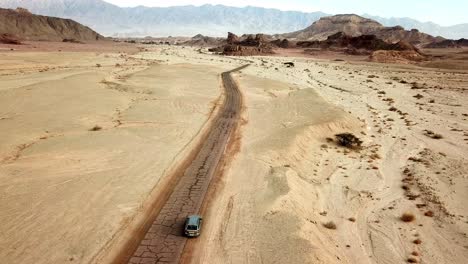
204 41
354 26
28 26
9 39
394 56
248 45
283 43
413 36
356 45
448 43
232 38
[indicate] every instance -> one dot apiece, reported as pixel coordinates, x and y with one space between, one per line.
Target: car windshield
191 227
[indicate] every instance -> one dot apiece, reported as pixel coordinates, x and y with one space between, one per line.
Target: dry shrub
330 225
348 140
417 241
429 214
433 135
352 219
96 128
407 217
412 260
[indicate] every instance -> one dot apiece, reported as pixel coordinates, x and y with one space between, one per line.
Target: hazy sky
444 12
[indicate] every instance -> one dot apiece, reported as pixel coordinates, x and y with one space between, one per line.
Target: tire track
164 241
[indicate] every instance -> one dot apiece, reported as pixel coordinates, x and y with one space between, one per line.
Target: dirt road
164 241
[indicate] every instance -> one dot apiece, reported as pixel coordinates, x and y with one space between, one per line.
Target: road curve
164 241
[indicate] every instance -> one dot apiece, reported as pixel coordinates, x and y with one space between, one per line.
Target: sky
443 12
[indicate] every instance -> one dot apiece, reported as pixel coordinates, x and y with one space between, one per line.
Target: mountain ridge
189 20
22 24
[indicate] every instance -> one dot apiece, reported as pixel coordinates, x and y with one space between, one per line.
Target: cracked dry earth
164 241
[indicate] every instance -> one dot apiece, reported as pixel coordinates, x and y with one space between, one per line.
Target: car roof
193 219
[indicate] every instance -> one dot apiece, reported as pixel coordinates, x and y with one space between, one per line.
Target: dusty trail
164 242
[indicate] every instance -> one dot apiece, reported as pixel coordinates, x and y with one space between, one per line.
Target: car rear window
192 227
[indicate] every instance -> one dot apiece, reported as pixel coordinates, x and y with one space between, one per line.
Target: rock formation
364 44
6 38
248 45
448 43
394 56
354 26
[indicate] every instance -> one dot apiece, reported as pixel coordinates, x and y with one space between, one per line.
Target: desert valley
343 142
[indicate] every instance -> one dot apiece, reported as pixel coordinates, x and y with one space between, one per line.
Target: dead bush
429 214
412 260
348 140
433 135
96 128
330 225
407 217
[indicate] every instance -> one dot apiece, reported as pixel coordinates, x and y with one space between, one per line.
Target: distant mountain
26 26
142 21
451 32
209 20
354 26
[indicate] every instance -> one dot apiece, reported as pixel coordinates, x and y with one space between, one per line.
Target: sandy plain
71 192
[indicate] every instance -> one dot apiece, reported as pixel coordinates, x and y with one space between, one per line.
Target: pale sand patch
67 191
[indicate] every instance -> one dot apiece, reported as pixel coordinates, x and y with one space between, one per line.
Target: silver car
193 225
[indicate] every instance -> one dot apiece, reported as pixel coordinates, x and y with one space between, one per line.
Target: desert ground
87 137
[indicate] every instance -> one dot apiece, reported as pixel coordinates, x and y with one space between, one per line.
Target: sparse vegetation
429 214
433 135
412 260
348 140
330 225
352 219
417 241
407 217
414 159
96 128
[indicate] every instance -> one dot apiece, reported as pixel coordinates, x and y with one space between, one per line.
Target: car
193 225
